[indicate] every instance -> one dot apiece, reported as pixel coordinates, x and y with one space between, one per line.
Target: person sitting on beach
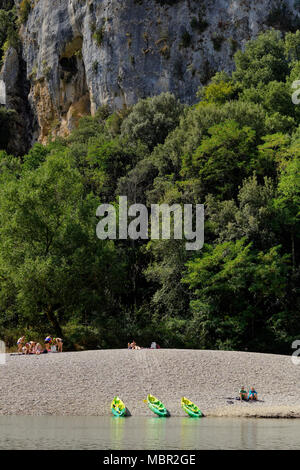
20 343
38 348
252 395
134 345
59 344
243 393
26 348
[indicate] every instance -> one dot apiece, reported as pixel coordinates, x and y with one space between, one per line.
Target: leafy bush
99 35
80 337
24 10
152 119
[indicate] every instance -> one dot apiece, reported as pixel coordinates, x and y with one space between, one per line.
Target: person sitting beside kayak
243 394
252 395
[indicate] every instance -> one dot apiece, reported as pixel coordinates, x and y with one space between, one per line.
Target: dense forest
237 151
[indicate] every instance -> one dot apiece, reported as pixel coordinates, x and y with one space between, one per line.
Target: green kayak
117 407
156 406
190 408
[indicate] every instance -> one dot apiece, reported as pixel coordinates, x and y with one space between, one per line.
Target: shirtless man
59 344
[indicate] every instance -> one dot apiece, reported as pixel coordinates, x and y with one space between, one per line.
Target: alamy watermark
296 354
2 353
296 94
187 221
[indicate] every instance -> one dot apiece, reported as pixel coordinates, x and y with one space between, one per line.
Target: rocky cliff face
81 54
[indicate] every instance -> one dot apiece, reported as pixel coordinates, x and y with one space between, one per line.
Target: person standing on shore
48 342
59 344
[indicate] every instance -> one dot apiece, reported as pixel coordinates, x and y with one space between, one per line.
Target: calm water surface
68 432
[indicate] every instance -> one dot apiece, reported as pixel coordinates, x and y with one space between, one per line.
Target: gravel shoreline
84 383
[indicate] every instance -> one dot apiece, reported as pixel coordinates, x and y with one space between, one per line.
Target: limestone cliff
81 54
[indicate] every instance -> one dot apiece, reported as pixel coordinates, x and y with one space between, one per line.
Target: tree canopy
237 151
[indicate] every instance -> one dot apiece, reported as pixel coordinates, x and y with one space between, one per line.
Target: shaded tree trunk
54 322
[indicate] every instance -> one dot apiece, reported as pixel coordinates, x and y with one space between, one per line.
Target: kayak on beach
156 406
190 408
117 407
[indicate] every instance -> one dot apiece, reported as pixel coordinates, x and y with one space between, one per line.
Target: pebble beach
84 383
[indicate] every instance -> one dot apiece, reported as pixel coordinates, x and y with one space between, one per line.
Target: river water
91 432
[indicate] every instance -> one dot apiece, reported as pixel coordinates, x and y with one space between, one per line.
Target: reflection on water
117 429
105 432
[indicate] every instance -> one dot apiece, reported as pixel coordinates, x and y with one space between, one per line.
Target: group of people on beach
250 395
133 345
33 347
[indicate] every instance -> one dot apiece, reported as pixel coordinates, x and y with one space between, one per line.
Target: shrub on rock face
99 35
24 10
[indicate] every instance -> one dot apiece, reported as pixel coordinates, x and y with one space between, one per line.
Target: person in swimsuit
48 342
20 343
59 344
252 395
38 348
32 347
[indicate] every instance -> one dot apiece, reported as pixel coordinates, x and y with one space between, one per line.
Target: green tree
223 159
152 119
50 256
288 200
236 291
262 61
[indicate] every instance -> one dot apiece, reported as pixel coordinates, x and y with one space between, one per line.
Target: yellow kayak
117 407
190 408
156 406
